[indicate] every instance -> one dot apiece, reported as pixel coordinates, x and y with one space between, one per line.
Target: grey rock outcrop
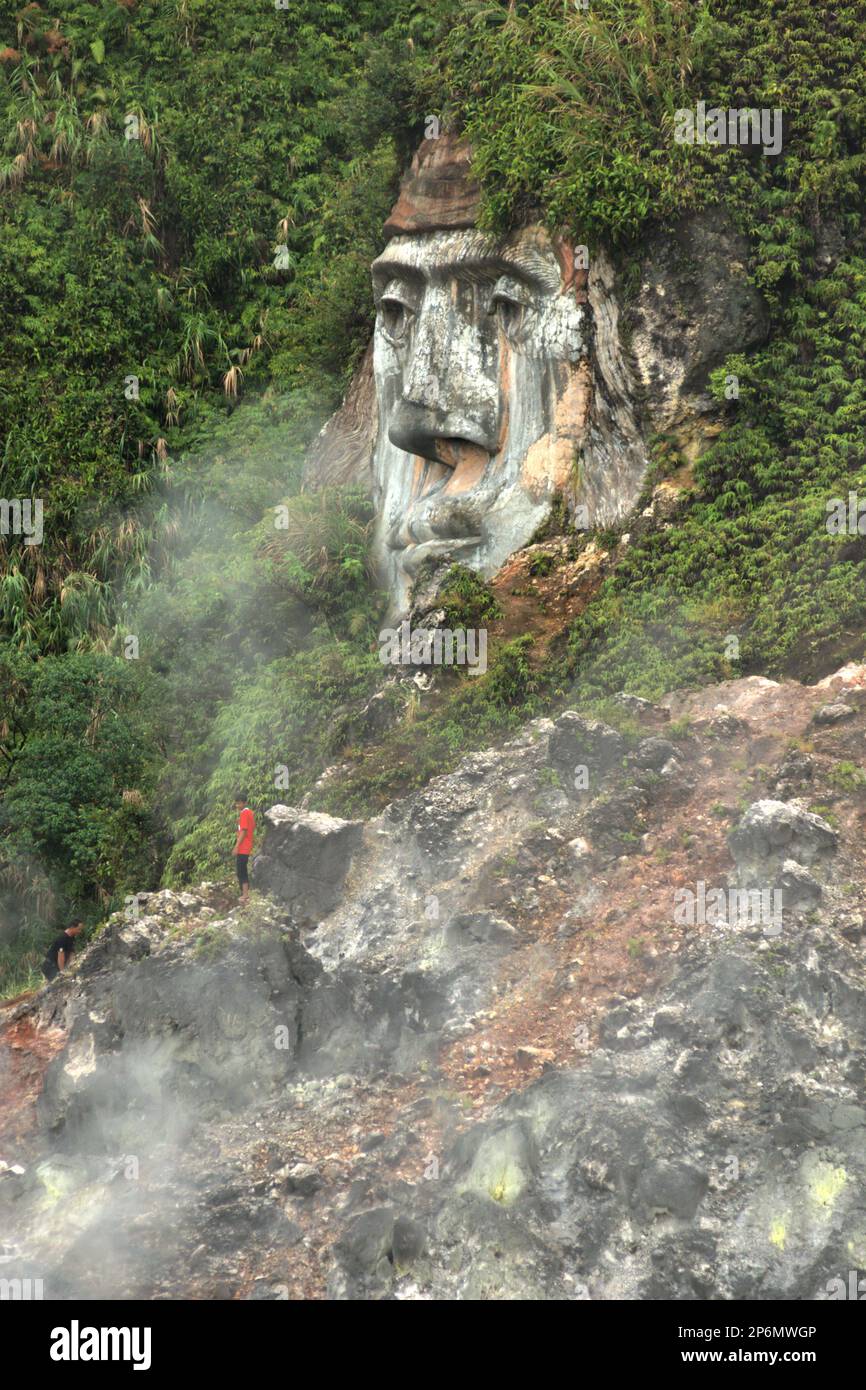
696 305
654 753
694 1157
834 713
773 831
778 846
306 858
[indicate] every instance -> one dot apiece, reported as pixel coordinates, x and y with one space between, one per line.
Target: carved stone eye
395 314
510 307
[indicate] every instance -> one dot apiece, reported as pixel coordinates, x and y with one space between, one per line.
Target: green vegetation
222 253
480 710
191 198
76 817
846 776
467 600
752 555
541 565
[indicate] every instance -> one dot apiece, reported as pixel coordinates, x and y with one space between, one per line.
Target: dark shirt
64 943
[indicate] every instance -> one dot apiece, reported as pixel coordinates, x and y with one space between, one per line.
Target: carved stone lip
452 450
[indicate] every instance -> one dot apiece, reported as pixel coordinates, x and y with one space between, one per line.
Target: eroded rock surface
493 1061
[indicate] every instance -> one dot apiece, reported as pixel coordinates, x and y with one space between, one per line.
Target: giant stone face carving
502 377
482 388
478 346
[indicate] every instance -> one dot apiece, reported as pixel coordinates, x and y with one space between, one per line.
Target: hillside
154 258
479 1054
323 322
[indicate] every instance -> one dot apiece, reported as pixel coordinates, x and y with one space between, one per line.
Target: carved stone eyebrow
480 268
522 264
384 271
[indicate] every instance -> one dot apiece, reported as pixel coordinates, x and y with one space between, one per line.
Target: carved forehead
439 255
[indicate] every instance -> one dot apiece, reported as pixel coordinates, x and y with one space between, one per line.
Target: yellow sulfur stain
825 1184
857 1250
778 1234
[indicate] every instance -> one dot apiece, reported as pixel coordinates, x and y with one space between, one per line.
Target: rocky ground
476 1047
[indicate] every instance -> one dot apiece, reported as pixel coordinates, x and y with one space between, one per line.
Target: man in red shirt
243 843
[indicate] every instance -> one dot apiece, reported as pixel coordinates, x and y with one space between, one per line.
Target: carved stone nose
414 429
433 435
449 388
440 435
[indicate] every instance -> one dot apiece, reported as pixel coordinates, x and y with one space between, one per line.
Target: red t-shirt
247 824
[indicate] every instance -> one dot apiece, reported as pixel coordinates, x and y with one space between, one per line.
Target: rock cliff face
537 1031
507 373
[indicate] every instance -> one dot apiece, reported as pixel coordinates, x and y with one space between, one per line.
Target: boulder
484 926
774 831
797 769
640 708
300 1179
616 822
305 859
653 753
800 889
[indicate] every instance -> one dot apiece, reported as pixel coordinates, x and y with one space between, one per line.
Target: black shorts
241 868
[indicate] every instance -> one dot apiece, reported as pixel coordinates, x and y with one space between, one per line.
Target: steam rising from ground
140 1111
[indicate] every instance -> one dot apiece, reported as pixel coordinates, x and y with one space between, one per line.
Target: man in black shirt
60 951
